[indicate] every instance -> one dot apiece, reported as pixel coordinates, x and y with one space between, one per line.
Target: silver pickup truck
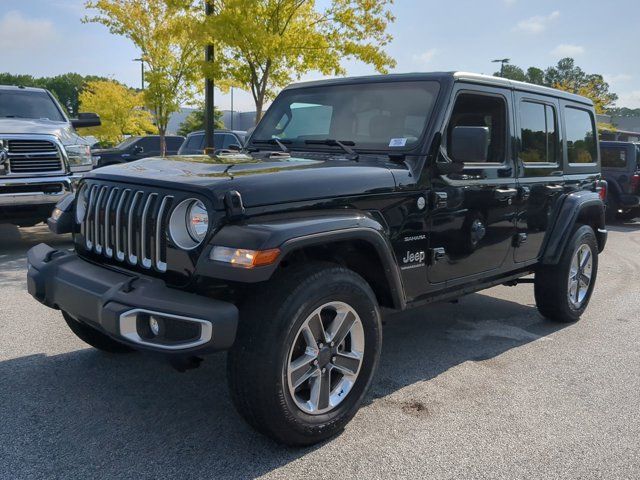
41 154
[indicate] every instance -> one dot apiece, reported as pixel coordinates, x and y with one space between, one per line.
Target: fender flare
572 209
291 234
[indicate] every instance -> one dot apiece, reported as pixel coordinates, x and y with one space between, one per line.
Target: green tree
512 72
567 76
166 31
121 111
195 121
262 45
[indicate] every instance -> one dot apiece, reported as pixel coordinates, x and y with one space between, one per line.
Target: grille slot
127 225
34 156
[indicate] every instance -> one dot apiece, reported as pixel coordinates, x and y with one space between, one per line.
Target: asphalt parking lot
480 389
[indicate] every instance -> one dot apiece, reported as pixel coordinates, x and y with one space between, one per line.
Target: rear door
472 224
540 173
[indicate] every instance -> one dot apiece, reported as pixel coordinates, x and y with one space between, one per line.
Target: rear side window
614 157
581 136
173 143
539 133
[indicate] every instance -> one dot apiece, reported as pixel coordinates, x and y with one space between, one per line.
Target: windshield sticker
398 142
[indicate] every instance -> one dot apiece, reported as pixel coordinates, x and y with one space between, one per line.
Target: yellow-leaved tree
166 33
262 45
121 111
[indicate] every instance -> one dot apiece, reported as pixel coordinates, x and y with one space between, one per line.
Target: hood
260 182
63 130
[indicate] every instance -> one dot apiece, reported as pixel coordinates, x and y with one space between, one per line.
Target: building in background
241 120
626 129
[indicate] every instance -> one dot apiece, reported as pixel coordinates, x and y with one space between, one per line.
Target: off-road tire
95 338
551 281
269 323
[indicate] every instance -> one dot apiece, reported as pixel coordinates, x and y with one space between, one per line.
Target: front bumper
33 191
114 302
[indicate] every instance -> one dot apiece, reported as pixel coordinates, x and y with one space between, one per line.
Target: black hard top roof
21 88
440 76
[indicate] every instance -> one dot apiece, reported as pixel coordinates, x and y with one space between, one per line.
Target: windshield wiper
344 145
274 141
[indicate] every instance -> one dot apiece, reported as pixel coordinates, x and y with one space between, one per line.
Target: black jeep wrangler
621 170
352 196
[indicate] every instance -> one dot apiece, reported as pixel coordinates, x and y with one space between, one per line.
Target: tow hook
182 364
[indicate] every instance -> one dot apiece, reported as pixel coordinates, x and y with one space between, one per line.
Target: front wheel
563 291
305 355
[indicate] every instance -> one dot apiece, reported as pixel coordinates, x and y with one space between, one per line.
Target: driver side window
480 117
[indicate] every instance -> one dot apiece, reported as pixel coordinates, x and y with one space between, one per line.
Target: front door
473 213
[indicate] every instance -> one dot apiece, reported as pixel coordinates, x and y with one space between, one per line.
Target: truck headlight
189 224
79 155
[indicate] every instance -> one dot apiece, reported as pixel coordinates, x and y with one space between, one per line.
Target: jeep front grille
127 225
34 156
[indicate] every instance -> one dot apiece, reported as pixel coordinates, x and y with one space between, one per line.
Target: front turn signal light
241 257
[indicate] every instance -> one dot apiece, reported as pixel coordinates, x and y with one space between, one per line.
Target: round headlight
81 204
189 224
197 221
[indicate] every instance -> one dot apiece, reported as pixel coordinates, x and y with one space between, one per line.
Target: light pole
232 113
141 60
502 62
208 90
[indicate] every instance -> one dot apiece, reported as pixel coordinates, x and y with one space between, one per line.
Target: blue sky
46 37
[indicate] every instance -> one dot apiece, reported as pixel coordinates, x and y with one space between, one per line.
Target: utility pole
232 112
502 62
141 60
208 91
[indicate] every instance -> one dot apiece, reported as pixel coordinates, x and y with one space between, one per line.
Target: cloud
537 24
629 99
567 50
617 77
423 59
20 33
508 3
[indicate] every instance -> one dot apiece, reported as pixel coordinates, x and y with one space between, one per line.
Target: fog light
154 326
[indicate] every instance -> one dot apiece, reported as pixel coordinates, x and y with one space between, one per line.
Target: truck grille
127 224
34 156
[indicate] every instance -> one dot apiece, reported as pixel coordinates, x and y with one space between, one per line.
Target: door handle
553 188
505 193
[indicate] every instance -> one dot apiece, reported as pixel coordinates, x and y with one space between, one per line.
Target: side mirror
86 120
469 144
138 149
234 146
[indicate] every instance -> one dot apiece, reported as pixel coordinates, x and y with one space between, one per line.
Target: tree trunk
259 105
163 141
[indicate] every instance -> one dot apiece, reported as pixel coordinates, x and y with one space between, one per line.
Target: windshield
373 116
28 104
125 143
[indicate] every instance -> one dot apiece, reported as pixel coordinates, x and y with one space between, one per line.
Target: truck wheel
307 347
563 291
93 337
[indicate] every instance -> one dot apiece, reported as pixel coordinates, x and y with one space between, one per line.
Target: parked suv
621 170
352 195
222 139
41 154
135 148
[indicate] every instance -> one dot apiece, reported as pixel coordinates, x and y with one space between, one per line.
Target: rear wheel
306 352
563 291
93 337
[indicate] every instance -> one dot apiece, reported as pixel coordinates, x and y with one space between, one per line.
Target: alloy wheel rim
325 358
580 274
